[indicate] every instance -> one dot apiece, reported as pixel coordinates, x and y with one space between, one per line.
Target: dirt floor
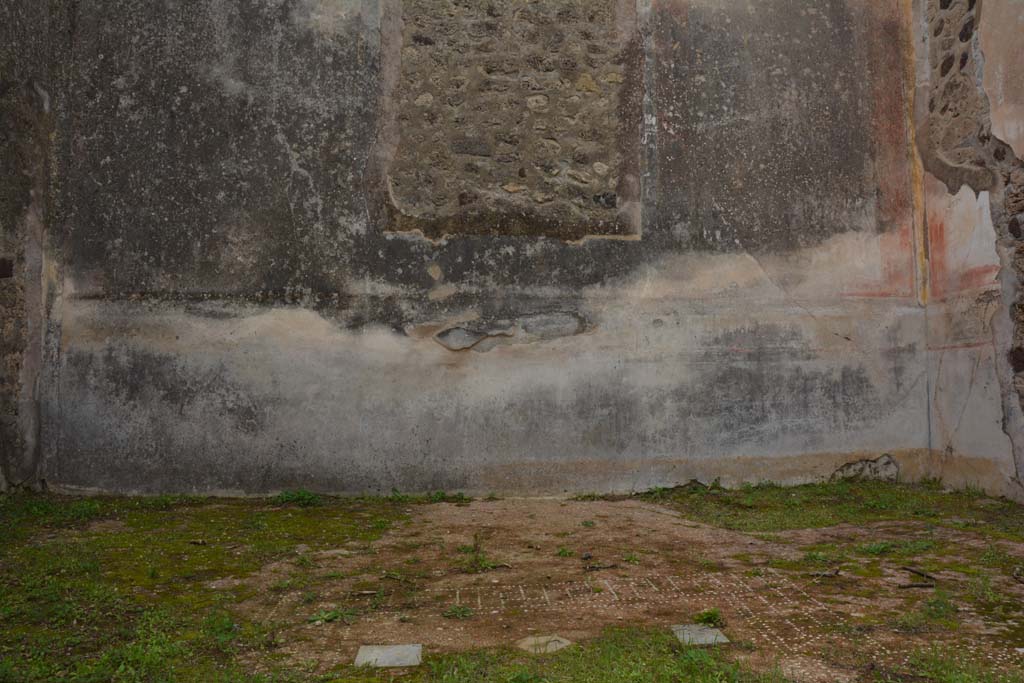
840 603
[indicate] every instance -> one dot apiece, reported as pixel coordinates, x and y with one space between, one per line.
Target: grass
996 556
817 557
301 498
937 613
897 548
622 655
937 665
129 600
118 589
772 508
455 498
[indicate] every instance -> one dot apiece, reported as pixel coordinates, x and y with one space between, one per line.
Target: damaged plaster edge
1001 322
1010 287
417 235
1002 341
632 237
904 466
916 64
94 491
40 277
527 329
458 339
919 26
649 141
29 423
49 404
385 143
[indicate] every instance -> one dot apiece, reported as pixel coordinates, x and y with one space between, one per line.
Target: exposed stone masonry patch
515 118
958 147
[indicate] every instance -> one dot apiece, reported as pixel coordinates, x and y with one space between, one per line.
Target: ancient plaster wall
357 245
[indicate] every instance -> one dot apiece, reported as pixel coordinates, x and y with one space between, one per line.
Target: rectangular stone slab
699 634
387 656
543 645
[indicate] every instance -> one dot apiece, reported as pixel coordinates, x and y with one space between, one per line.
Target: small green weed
300 497
710 617
876 548
816 557
935 614
349 616
910 548
457 612
442 497
475 560
981 590
220 628
996 556
478 563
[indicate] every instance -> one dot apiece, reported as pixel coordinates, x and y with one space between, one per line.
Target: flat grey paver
543 645
699 634
387 656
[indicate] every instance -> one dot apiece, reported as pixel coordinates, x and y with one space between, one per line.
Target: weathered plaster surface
234 304
657 386
967 411
782 123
